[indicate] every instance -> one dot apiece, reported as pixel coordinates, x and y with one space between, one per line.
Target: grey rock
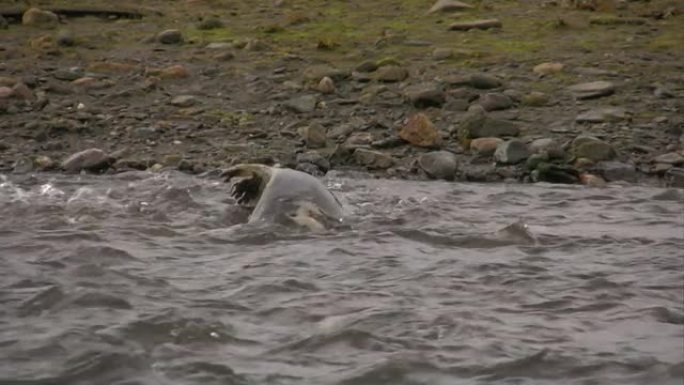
145 132
219 46
476 124
91 159
425 95
170 36
457 105
615 171
600 115
23 165
439 164
592 148
449 6
484 81
670 158
341 131
442 53
511 152
544 145
317 72
69 74
184 101
494 101
315 158
367 66
592 90
675 177
302 104
391 74
314 135
309 168
373 159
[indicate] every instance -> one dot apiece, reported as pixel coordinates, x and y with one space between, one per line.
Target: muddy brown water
143 278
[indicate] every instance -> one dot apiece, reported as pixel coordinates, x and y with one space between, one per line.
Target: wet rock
591 180
184 101
553 173
92 159
675 177
592 90
600 115
614 171
476 124
547 68
481 173
314 158
442 53
391 74
477 24
23 165
373 159
65 38
494 101
670 158
439 164
511 152
314 135
485 146
39 17
170 36
592 148
449 6
425 95
536 99
483 81
326 85
420 131
302 104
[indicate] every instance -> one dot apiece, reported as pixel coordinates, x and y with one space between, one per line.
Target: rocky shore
570 91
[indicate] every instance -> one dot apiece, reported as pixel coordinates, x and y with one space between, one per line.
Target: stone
615 170
600 115
420 131
341 131
314 135
172 160
111 67
675 177
511 152
477 24
592 148
485 146
544 69
92 159
547 146
425 95
302 104
317 72
315 158
592 90
145 132
36 16
449 6
391 74
373 159
184 101
584 163
670 158
476 124
170 36
442 53
591 180
4 24
219 45
483 81
326 85
367 66
553 173
439 164
358 139
65 38
209 24
69 74
22 92
5 92
224 56
494 101
310 169
22 165
43 163
536 99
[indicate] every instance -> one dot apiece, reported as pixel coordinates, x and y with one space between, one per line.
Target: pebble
425 95
511 152
485 146
302 104
326 85
420 131
314 135
449 6
483 81
600 115
592 148
170 36
184 101
36 16
91 159
592 90
373 159
547 68
439 164
494 101
391 74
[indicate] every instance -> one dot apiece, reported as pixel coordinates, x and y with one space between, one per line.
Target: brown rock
176 71
314 135
419 131
111 67
21 91
547 68
485 146
326 85
391 73
91 159
36 16
478 24
591 180
373 159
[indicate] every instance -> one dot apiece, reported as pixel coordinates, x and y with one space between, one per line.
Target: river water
143 278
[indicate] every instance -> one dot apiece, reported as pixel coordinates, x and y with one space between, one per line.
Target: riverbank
567 92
